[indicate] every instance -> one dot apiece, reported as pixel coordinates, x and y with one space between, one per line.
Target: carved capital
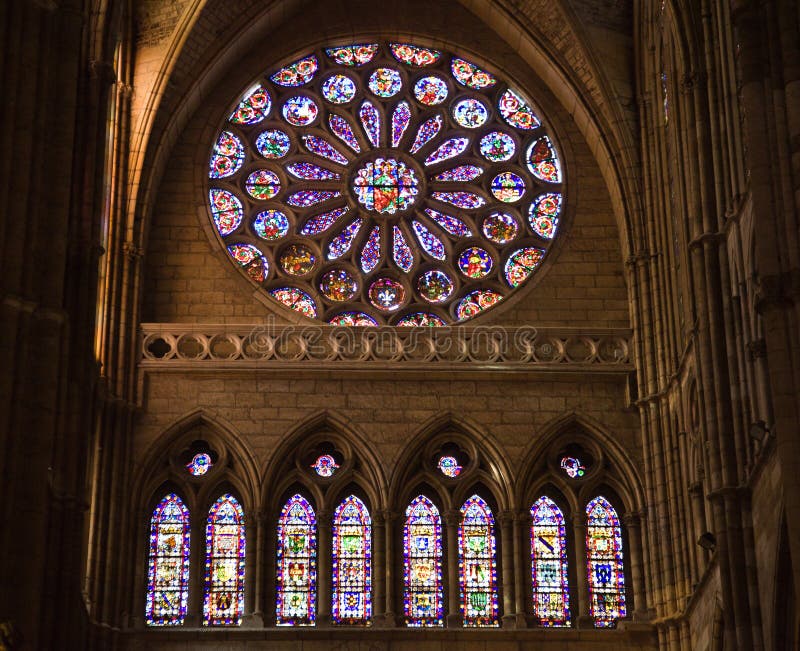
133 251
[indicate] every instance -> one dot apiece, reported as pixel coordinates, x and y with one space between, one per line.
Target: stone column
582 616
452 518
522 558
254 571
378 569
632 523
324 568
507 587
390 616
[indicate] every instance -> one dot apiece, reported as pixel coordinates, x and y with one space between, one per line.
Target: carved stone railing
239 346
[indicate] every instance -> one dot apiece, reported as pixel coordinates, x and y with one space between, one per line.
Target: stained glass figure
543 162
323 221
414 55
400 121
449 466
228 156
310 172
475 262
295 299
460 174
401 252
385 82
432 245
321 147
353 55
300 111
306 198
549 564
225 550
426 132
497 147
470 75
352 563
168 563
296 575
271 224
253 261
325 465
476 302
387 294
341 244
465 200
477 564
470 113
423 598
297 260
573 467
342 129
338 285
338 89
273 144
508 187
226 209
371 120
500 228
521 264
543 214
253 108
430 90
451 224
371 253
296 74
263 184
200 464
435 286
516 111
604 563
353 319
386 185
423 319
448 149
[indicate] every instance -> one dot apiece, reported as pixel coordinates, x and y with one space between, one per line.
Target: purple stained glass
225 553
573 467
465 200
549 564
300 110
371 121
543 162
516 111
470 113
543 214
271 224
226 210
426 133
385 82
353 319
470 75
323 148
352 55
448 149
342 129
338 285
435 286
460 174
387 294
386 186
497 146
432 244
424 319
228 156
298 73
310 172
200 464
296 575
253 108
273 144
352 563
508 187
475 262
521 264
477 564
500 227
263 184
604 563
322 222
253 261
449 466
476 302
296 299
325 465
341 244
423 595
451 224
168 563
371 253
414 55
400 120
401 252
338 89
430 90
306 198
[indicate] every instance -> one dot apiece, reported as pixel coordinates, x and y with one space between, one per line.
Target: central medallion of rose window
386 185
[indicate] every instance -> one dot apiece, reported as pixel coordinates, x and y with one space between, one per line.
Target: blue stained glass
306 198
271 224
522 264
253 108
423 597
451 224
342 129
400 120
371 253
300 110
475 262
352 563
549 564
371 120
460 174
298 73
470 113
500 228
311 172
226 210
604 563
465 200
273 144
228 156
341 244
508 187
338 89
168 563
430 90
425 319
497 146
432 244
448 149
323 221
296 575
352 55
225 553
477 564
435 286
321 147
385 82
426 132
543 214
401 252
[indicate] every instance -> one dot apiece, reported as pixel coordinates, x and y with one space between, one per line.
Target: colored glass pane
371 120
516 111
476 302
508 187
430 90
497 146
228 156
353 55
271 224
475 262
521 264
168 563
253 108
296 575
386 185
338 89
465 200
573 467
543 214
253 261
226 210
549 564
352 563
414 55
500 228
448 149
435 286
401 252
296 74
263 184
604 563
432 244
295 299
543 162
310 172
225 549
477 564
460 174
385 82
371 253
300 110
387 294
325 465
451 224
321 147
306 198
470 75
273 144
449 467
341 244
297 260
426 132
342 130
323 221
423 319
470 113
338 285
353 319
423 597
400 121
200 464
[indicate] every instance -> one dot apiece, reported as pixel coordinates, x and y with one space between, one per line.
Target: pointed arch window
168 563
352 563
297 564
477 564
549 564
604 560
225 550
422 564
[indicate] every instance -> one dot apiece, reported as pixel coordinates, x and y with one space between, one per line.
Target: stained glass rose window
385 183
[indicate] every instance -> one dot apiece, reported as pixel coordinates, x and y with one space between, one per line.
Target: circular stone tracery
370 183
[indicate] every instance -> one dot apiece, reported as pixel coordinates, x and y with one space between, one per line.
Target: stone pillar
254 571
452 519
390 616
582 616
632 523
197 568
378 569
507 586
521 565
324 568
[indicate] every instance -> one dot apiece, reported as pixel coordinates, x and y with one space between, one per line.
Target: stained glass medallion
449 466
376 161
325 465
200 464
573 467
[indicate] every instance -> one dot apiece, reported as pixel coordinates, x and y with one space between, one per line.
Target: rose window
376 184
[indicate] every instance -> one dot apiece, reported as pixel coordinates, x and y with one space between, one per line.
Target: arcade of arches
467 322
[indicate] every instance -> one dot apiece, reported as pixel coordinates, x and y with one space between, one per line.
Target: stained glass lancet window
168 564
297 564
422 564
604 563
352 563
549 564
399 171
477 564
225 549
